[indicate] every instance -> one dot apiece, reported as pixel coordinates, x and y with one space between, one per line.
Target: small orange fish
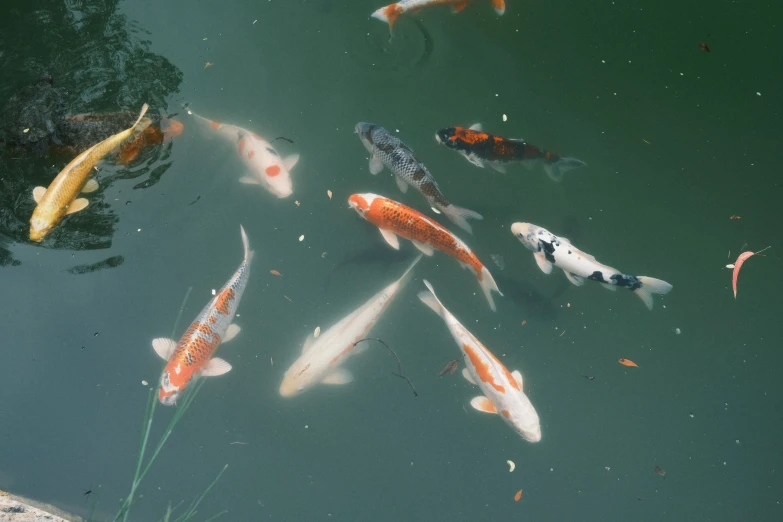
275 272
628 362
518 496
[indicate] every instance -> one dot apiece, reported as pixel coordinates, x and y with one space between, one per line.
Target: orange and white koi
392 12
193 356
393 218
266 166
322 357
502 389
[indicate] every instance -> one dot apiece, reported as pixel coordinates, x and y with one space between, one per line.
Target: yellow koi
55 202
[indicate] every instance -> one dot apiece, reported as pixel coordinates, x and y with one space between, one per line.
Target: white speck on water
511 465
505 118
307 426
603 61
677 331
145 383
139 230
213 291
301 238
758 94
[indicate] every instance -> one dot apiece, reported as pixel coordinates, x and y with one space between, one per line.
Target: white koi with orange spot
193 356
322 358
502 389
267 167
392 12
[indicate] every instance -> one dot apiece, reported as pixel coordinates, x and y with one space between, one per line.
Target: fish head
524 419
169 392
39 227
171 128
297 379
446 136
271 171
361 202
365 132
528 234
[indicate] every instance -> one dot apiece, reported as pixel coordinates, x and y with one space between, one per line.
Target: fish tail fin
460 216
388 14
141 114
431 300
141 122
651 286
406 275
555 170
499 6
488 284
246 244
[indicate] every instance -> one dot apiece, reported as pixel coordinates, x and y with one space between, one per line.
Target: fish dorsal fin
390 238
477 127
401 184
290 161
543 263
481 403
338 376
231 332
38 193
575 279
164 347
214 367
468 376
77 205
426 249
308 344
376 165
517 377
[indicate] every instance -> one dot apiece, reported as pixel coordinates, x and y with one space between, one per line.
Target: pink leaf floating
737 265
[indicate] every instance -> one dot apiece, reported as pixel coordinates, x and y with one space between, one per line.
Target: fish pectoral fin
338 376
90 186
477 127
290 161
401 184
468 376
498 167
459 6
376 165
543 263
473 159
481 403
77 205
249 180
164 347
308 344
231 332
577 280
390 238
38 193
214 367
517 377
428 250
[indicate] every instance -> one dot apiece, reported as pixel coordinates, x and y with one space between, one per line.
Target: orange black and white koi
392 12
395 219
482 149
502 389
193 356
322 357
550 250
266 166
386 150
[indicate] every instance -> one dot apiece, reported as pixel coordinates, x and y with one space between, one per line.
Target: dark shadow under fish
527 297
376 254
111 262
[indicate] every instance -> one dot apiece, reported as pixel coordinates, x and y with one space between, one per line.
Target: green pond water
676 140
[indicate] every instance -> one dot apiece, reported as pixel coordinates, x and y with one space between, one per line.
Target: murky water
676 140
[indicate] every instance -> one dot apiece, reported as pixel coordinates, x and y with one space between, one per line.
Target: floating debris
518 496
26 130
317 332
704 47
275 272
505 118
524 322
208 64
329 193
734 217
289 299
450 368
562 334
297 203
214 292
628 362
738 264
499 261
677 331
589 377
659 471
144 383
511 465
301 238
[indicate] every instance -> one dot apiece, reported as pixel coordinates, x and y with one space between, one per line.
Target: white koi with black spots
550 250
193 356
502 389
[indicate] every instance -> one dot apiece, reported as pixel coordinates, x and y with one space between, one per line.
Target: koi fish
387 150
266 166
393 218
550 250
322 357
59 199
483 149
502 389
392 12
193 356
